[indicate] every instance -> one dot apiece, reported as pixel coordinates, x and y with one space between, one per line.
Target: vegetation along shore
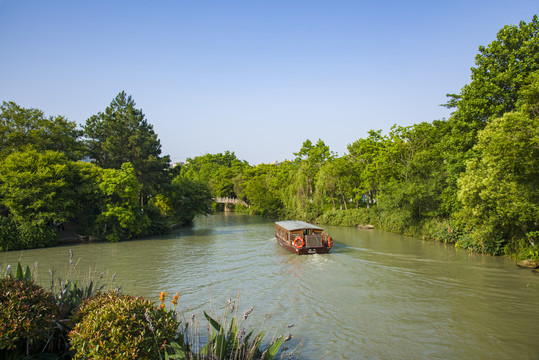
472 179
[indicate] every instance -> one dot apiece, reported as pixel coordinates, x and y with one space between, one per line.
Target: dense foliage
76 321
27 312
114 326
470 179
111 195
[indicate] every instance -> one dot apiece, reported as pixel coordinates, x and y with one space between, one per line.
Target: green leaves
36 187
20 127
232 344
121 134
500 189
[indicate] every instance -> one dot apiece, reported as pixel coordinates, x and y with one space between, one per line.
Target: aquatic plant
228 338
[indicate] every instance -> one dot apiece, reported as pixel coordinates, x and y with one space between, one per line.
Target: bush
17 237
27 312
114 326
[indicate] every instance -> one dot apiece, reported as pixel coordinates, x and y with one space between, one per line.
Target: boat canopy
292 225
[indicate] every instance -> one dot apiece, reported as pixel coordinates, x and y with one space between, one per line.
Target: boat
302 238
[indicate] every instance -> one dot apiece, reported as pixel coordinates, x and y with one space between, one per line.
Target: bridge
229 201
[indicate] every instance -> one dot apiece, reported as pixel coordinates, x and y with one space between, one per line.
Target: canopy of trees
43 183
472 179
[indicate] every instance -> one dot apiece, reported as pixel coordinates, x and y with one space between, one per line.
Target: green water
377 295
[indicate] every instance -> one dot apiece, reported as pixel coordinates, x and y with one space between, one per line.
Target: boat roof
292 225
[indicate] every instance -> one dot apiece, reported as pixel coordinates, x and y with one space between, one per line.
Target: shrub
114 326
17 237
27 312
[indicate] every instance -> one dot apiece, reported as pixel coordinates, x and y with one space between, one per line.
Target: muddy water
377 295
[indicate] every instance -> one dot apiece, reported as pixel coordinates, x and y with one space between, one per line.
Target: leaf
19 275
232 335
28 274
178 353
220 345
213 323
274 349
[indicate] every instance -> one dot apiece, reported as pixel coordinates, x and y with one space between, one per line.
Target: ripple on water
375 296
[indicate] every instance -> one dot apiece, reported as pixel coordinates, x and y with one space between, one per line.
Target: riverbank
433 229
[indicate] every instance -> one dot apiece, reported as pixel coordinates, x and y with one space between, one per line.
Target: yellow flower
162 296
162 306
175 299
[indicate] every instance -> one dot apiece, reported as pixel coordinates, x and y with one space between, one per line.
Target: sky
256 77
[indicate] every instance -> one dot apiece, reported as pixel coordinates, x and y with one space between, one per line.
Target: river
377 295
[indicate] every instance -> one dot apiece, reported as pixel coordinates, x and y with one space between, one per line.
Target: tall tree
20 127
500 189
121 217
502 69
312 157
121 134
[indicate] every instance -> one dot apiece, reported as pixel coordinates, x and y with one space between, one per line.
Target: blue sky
255 77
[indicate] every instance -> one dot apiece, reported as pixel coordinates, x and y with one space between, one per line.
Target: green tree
37 188
338 179
121 134
500 189
184 199
261 190
20 127
312 157
121 217
368 154
216 170
502 69
417 177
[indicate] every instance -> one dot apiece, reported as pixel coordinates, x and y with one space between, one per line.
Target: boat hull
303 250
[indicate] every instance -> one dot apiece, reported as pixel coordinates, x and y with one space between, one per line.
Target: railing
228 200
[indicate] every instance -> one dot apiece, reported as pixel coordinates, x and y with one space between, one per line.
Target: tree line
472 179
108 178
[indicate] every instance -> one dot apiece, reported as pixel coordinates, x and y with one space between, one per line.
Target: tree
20 127
417 176
369 155
121 217
502 69
261 190
121 134
184 199
216 170
500 189
338 179
312 157
37 188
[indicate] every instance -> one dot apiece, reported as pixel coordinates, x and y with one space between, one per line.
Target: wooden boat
302 238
